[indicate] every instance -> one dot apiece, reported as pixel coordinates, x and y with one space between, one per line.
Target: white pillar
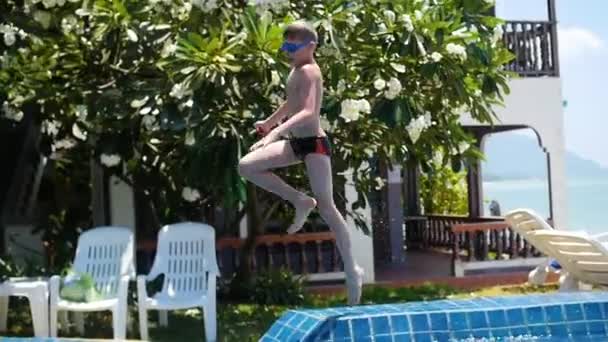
362 245
122 204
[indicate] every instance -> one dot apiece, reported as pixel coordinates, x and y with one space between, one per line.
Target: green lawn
247 322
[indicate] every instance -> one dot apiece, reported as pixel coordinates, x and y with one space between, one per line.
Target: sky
583 46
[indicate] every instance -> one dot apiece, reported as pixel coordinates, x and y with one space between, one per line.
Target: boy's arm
278 115
308 85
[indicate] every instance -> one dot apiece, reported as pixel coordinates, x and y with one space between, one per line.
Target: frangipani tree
164 93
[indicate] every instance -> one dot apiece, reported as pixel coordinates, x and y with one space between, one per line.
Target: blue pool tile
554 314
478 319
535 315
481 333
519 331
577 328
516 317
500 332
361 327
403 338
605 310
342 330
380 325
538 330
458 321
362 339
497 318
296 337
423 337
400 324
574 312
592 311
420 322
461 335
439 322
284 334
384 338
559 330
307 324
441 336
274 330
596 328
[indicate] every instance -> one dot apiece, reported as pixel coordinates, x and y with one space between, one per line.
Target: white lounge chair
583 256
523 222
527 223
185 256
106 253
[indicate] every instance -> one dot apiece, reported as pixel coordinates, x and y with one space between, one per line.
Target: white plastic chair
185 255
523 222
106 253
583 256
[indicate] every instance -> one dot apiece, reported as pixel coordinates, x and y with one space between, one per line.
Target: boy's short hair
301 31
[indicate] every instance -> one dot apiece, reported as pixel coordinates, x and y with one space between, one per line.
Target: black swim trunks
304 146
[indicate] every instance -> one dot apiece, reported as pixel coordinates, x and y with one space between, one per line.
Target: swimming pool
576 317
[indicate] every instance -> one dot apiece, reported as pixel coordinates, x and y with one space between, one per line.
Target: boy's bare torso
296 97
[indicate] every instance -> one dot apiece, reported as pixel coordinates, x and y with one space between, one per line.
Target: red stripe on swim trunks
320 147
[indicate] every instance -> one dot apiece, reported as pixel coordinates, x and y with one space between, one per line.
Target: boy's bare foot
354 286
303 208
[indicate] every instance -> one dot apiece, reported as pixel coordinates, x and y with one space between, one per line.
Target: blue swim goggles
292 47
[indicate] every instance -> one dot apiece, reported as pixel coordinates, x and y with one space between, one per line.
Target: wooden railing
534 44
433 231
312 255
490 245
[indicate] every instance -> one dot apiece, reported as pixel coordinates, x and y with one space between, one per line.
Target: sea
587 200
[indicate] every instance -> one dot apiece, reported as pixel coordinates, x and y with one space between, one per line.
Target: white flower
190 195
9 38
64 144
275 79
417 126
457 50
394 89
110 160
498 34
379 183
51 127
148 121
489 2
353 20
352 109
276 99
418 14
180 90
436 57
407 23
48 3
169 49
132 35
389 15
382 28
68 24
379 84
78 133
205 5
264 5
190 139
12 113
139 103
463 146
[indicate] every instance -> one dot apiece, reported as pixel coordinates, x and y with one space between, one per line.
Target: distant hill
517 156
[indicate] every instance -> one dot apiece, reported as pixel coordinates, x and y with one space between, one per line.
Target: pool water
575 317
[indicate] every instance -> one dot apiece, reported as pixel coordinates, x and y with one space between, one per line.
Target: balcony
534 44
